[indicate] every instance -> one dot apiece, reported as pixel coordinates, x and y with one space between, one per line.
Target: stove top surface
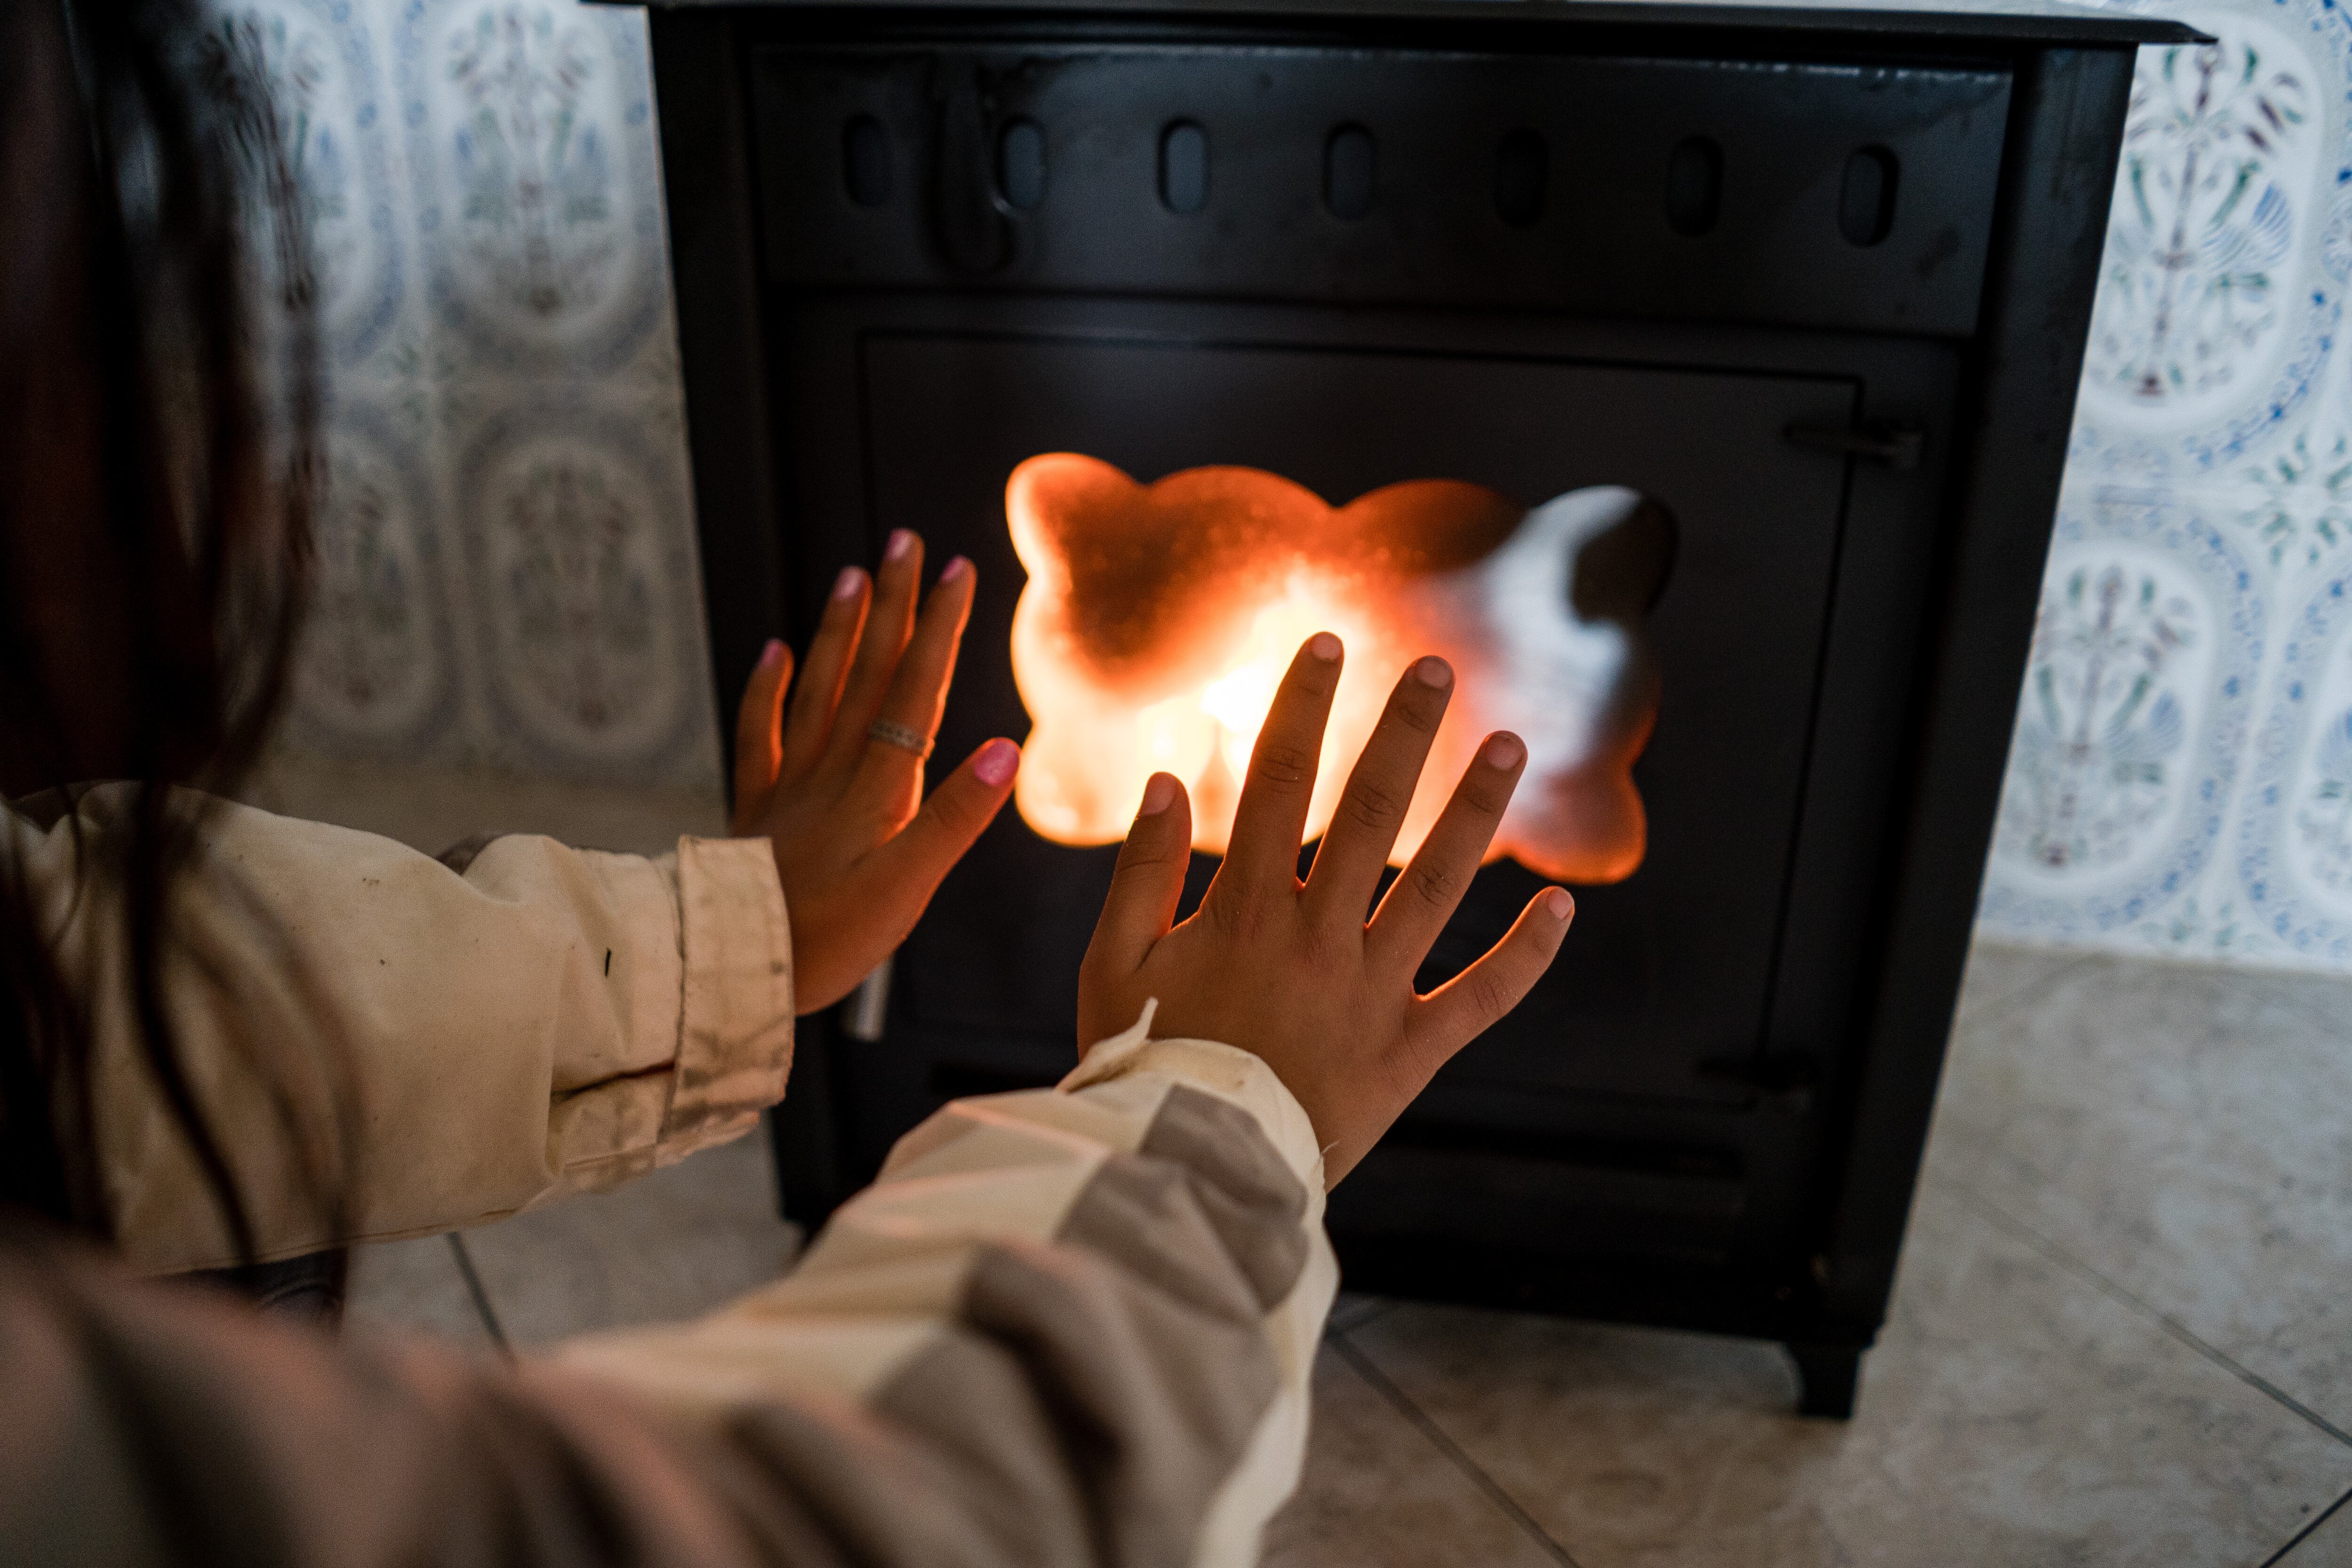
2039 22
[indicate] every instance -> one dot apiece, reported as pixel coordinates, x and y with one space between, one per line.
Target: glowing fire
1158 620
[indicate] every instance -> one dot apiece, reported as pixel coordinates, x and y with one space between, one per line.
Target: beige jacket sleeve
438 1046
1065 1328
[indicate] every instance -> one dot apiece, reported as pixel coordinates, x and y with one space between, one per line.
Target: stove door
1667 975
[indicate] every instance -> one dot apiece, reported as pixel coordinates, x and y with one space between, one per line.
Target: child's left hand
858 850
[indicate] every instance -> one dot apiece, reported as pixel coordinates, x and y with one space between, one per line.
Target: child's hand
857 859
1292 971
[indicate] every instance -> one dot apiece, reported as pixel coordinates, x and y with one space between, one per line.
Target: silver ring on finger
890 732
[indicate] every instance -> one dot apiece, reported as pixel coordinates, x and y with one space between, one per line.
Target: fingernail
1502 751
845 585
901 542
1158 791
997 762
1557 904
772 653
954 569
1435 672
1323 646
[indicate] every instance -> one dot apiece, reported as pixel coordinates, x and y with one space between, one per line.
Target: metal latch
1897 446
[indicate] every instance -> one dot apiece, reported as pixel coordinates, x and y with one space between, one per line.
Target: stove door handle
1899 445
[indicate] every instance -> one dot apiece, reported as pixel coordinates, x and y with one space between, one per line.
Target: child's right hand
1292 971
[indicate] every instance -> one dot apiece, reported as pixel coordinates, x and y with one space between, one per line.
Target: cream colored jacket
1066 1326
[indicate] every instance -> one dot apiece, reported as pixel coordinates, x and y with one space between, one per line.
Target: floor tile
2327 1546
679 1243
2184 1132
1998 975
414 1286
2013 1415
1378 1493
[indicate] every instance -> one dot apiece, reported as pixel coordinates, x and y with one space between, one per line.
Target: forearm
381 1045
1071 1322
1071 1327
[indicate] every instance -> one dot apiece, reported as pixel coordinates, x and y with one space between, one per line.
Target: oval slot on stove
1347 172
1866 198
1021 165
1183 168
1522 171
865 161
1693 185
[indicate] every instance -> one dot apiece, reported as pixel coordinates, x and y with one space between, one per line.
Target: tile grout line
2306 1531
2162 1320
1387 1389
482 1307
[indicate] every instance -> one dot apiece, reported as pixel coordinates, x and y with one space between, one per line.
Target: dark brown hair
156 480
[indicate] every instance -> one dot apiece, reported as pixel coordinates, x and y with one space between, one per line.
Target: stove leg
1826 1375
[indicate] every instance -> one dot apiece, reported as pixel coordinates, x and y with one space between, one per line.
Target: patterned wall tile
2220 292
2294 839
318 57
379 671
2217 410
536 180
2137 702
583 586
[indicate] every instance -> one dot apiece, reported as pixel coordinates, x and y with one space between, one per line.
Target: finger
1364 830
1144 890
1458 1012
919 692
810 723
1426 892
905 870
1271 817
888 628
759 739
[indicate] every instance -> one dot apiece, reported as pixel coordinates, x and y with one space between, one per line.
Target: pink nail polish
1502 751
1557 904
845 585
901 542
1158 792
1435 672
997 762
1324 646
954 570
771 654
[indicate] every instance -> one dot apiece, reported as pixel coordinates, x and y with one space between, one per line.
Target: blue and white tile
379 671
536 184
319 59
2220 291
2294 837
582 583
2137 701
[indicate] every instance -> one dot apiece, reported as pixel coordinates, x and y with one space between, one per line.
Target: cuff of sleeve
1226 1071
735 1026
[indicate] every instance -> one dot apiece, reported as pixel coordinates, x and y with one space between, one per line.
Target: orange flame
1158 620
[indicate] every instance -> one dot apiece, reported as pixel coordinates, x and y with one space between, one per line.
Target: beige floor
2122 1334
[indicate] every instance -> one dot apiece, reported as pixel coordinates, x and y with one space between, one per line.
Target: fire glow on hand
1157 620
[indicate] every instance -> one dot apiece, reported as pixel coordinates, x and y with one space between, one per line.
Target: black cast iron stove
1815 281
